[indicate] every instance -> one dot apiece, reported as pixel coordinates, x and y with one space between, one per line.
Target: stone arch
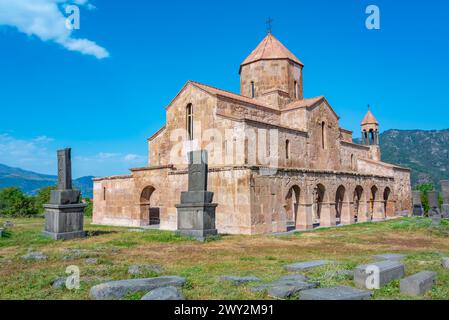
148 213
388 203
291 206
372 200
357 200
319 194
340 198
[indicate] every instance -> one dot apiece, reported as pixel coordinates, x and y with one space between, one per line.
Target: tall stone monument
434 210
445 190
417 204
64 215
196 212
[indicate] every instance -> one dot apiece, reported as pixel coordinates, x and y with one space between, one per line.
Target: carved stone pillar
363 215
379 210
347 213
305 216
328 215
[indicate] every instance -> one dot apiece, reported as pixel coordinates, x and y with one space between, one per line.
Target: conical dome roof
270 49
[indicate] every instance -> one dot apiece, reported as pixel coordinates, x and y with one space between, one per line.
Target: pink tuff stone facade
277 161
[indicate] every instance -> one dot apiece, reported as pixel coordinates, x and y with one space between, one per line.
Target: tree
13 202
43 197
424 188
88 210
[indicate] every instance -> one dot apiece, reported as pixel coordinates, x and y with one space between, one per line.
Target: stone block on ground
286 286
335 293
34 256
418 284
91 261
144 268
164 293
389 256
115 290
445 262
8 224
305 265
239 280
59 283
388 270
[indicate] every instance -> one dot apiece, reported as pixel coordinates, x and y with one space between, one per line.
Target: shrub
43 197
88 210
13 202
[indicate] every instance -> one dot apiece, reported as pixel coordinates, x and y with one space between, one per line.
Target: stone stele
64 215
196 212
445 191
417 204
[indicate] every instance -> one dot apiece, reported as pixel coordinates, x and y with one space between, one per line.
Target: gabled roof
369 119
270 49
309 103
303 103
223 93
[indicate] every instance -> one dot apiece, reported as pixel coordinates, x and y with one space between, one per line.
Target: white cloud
28 154
45 20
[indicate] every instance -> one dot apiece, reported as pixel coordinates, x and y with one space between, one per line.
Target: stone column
379 210
305 216
445 190
328 215
196 212
64 215
347 213
433 203
363 211
417 205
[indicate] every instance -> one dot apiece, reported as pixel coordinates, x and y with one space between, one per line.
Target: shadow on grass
96 233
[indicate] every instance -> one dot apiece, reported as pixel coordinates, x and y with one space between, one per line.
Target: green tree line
15 203
424 188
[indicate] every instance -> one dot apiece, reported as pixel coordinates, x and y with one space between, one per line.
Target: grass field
203 263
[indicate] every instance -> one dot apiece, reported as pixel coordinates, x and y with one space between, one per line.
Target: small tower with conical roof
370 134
370 129
271 73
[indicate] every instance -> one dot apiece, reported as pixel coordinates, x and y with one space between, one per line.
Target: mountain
30 182
425 152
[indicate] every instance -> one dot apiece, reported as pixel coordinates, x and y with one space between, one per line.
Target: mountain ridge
30 182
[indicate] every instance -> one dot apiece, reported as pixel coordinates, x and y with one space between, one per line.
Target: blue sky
104 96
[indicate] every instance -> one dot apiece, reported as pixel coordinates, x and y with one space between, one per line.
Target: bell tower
370 134
271 73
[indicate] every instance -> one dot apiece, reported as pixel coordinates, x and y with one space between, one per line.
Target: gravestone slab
417 204
165 293
239 280
445 263
118 289
286 286
196 212
388 271
389 256
418 284
335 293
300 266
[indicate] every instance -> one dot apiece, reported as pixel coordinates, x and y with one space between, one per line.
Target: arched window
352 162
296 90
323 135
287 149
104 193
189 121
253 90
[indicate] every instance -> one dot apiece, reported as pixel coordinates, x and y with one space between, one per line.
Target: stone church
277 160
